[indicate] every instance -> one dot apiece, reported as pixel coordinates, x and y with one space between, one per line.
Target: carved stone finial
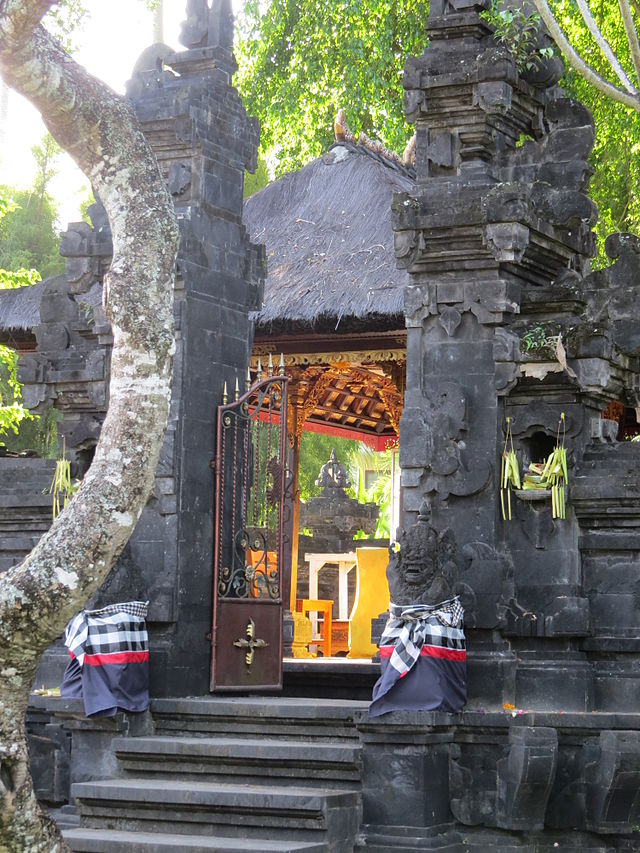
221 24
194 28
208 27
423 570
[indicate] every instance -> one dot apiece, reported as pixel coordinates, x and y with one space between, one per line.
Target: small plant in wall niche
539 339
552 475
523 139
509 473
518 32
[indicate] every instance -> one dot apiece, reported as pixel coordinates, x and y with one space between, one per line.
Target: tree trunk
37 598
158 22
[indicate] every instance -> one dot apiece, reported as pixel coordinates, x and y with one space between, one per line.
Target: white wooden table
345 563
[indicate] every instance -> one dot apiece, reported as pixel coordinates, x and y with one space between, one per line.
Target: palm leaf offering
62 488
552 475
509 473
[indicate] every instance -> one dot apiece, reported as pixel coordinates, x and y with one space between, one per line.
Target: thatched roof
20 308
327 231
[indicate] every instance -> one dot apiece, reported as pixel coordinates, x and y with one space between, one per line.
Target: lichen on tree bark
99 129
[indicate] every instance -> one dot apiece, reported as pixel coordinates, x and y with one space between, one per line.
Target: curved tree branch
20 18
632 34
576 61
605 47
100 131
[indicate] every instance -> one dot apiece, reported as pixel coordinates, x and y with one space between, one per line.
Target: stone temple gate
496 236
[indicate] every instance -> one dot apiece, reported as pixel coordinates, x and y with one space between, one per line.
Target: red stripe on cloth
431 652
116 657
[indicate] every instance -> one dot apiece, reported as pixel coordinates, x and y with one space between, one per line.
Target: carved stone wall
497 239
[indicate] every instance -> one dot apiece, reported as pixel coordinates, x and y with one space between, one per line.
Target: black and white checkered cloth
411 627
112 630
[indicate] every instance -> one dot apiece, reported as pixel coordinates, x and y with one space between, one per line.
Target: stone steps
167 806
258 717
66 817
266 761
110 841
409 839
249 774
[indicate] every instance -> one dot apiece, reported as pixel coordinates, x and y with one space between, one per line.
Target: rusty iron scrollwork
250 469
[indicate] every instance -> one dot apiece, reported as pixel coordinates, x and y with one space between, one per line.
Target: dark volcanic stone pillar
204 141
497 239
492 223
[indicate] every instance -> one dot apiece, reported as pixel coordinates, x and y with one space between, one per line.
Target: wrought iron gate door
249 576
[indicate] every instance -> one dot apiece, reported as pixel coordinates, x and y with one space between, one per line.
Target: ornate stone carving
613 780
448 406
509 789
507 241
425 567
450 319
486 584
406 246
208 27
525 777
471 803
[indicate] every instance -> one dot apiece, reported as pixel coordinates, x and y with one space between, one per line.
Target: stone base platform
500 781
477 782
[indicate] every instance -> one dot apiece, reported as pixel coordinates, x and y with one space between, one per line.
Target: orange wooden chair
325 607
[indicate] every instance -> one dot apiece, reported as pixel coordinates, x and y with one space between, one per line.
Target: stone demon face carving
424 568
418 555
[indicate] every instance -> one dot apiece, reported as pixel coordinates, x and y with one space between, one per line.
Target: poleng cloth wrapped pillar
423 658
109 666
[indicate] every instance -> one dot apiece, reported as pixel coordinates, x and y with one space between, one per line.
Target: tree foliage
315 450
29 239
12 412
28 235
64 21
518 29
302 60
254 182
615 186
357 458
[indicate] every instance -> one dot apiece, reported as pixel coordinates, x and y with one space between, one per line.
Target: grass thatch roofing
20 308
327 231
330 258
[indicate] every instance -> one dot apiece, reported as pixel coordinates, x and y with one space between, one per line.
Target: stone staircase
247 774
25 506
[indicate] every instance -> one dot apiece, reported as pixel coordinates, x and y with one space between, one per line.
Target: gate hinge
208 636
212 464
